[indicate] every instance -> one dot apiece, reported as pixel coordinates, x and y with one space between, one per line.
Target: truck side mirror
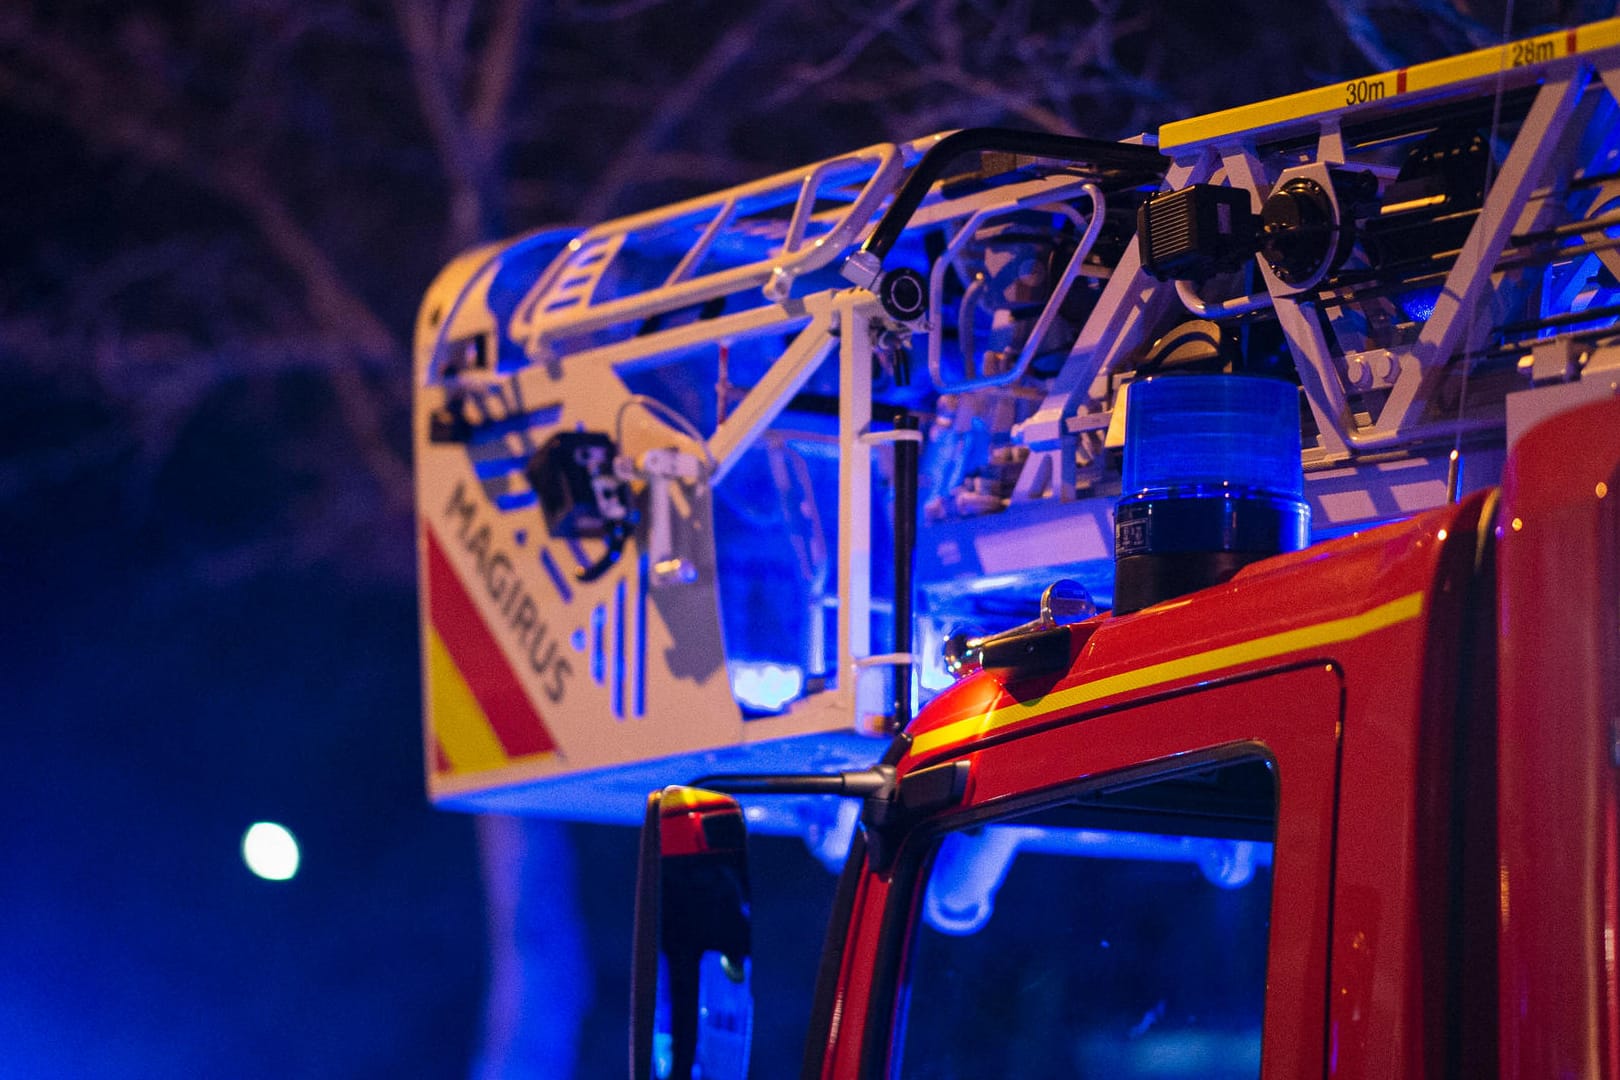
691 1006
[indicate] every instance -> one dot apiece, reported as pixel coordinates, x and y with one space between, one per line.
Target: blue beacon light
1212 482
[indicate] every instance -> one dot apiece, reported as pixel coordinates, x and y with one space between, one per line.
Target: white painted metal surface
548 333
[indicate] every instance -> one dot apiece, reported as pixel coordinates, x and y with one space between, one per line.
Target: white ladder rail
544 316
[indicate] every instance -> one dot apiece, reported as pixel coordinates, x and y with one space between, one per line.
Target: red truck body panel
1559 632
1364 669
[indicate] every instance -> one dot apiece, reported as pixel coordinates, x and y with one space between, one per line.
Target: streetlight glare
270 851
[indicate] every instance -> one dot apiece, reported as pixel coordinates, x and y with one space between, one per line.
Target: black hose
1142 162
905 547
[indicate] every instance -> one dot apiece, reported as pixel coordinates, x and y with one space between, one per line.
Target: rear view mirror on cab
691 1005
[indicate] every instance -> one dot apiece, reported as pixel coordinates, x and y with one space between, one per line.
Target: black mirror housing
691 1004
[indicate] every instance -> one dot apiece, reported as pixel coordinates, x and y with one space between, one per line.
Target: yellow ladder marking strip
460 725
1380 89
1333 632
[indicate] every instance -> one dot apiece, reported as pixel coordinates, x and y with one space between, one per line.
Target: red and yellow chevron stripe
479 714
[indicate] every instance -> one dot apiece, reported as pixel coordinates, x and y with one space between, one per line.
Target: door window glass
1121 934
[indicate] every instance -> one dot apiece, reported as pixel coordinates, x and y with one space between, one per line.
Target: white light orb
270 851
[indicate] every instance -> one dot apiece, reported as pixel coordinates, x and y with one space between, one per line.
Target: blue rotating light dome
1212 483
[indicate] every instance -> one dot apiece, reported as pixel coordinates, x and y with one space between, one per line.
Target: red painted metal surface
1392 947
1359 964
1559 701
1445 853
1291 716
843 1050
682 815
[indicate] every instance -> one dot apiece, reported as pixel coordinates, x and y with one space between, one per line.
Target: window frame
1290 716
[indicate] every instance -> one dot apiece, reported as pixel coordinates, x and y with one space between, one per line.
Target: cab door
1143 891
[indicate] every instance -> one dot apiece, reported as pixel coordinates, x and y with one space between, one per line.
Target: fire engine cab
1242 503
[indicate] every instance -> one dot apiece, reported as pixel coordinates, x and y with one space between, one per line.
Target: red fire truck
1316 397
1419 728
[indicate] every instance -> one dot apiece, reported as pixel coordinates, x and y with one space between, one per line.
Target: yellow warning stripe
1379 90
1332 632
458 723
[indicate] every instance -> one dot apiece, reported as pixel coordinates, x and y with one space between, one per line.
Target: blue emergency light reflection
1212 481
970 868
1237 431
1418 304
764 686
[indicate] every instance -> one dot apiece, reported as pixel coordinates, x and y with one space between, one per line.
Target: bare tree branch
624 9
498 71
421 114
470 136
96 104
1456 29
805 78
681 103
457 151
